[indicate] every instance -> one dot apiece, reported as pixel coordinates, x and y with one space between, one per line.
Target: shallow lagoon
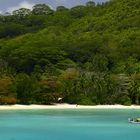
69 124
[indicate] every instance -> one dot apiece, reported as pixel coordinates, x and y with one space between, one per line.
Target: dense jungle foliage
89 54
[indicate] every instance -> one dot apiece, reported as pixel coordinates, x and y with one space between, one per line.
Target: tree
100 63
6 86
123 86
11 30
61 8
49 90
7 14
86 54
78 11
42 9
99 87
36 22
90 4
69 80
135 88
21 13
25 88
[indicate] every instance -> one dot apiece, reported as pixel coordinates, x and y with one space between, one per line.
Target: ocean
69 124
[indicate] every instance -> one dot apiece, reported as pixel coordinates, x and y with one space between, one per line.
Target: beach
65 106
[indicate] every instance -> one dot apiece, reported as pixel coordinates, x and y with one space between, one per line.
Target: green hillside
85 55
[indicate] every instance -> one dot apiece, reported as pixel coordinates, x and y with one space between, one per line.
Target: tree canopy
88 54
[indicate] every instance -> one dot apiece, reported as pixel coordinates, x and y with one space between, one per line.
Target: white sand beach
65 106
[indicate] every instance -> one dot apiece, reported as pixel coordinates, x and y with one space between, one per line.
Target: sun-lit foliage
88 54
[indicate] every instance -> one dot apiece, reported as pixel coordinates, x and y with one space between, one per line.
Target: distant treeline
88 54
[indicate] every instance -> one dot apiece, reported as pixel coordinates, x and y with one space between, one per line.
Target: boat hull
134 121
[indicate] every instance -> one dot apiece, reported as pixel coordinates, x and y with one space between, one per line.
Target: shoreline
64 106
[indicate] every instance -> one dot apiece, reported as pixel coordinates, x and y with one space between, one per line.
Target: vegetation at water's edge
85 55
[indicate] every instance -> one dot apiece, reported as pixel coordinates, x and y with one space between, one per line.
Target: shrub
125 100
86 101
47 98
7 100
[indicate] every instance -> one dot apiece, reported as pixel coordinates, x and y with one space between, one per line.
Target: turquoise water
68 125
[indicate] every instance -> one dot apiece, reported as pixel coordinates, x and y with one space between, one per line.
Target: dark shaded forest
88 55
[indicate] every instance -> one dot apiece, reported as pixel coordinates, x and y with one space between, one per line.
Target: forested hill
85 55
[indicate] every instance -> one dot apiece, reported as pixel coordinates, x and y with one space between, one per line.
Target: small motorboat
134 120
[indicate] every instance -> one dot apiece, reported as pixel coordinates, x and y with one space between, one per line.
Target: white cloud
23 4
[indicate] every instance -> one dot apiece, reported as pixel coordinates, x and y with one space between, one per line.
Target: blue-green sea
81 124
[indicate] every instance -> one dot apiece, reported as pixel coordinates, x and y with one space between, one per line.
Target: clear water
68 125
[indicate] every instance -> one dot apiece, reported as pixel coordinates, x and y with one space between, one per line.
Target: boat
134 120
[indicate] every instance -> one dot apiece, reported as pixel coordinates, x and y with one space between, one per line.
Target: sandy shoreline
65 106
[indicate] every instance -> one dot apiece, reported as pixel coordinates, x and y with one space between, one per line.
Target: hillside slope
94 49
